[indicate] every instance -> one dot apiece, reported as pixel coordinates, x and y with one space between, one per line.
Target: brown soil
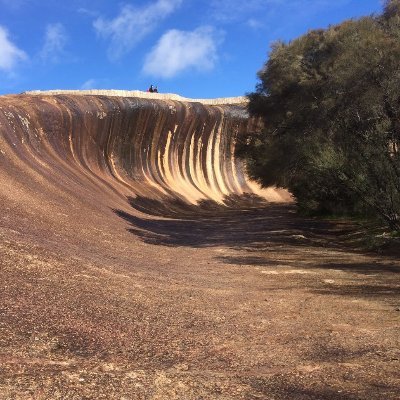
192 304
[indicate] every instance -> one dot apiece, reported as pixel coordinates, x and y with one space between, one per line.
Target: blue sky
196 48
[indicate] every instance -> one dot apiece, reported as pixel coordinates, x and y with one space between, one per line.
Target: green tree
331 107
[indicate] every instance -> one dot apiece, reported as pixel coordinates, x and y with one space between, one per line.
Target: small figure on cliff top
152 89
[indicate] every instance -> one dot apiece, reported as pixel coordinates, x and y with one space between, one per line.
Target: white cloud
132 25
54 42
177 51
10 54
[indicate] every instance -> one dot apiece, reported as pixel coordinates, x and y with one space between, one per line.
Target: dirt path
194 304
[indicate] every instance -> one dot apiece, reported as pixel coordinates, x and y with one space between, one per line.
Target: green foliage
391 9
331 107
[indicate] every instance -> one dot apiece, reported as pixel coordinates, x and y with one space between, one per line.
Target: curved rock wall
153 148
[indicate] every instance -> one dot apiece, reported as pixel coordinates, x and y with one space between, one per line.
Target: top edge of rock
141 94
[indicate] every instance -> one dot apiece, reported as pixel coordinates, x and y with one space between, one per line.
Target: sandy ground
197 304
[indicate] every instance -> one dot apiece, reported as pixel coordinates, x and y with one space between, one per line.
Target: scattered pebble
300 237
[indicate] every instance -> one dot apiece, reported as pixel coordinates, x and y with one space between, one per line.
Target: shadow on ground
255 228
278 389
243 222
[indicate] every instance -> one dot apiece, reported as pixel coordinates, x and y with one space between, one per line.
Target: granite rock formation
154 147
127 271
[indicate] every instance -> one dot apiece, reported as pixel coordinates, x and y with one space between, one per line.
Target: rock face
121 277
149 147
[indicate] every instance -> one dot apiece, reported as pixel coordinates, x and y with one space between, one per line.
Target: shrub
330 101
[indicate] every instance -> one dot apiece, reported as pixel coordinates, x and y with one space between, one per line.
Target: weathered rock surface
146 147
122 275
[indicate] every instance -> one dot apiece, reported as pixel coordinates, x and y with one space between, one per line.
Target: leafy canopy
330 101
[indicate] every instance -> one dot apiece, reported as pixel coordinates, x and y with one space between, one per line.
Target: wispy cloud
89 84
251 10
178 51
14 4
132 25
54 42
10 54
89 13
223 10
254 23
